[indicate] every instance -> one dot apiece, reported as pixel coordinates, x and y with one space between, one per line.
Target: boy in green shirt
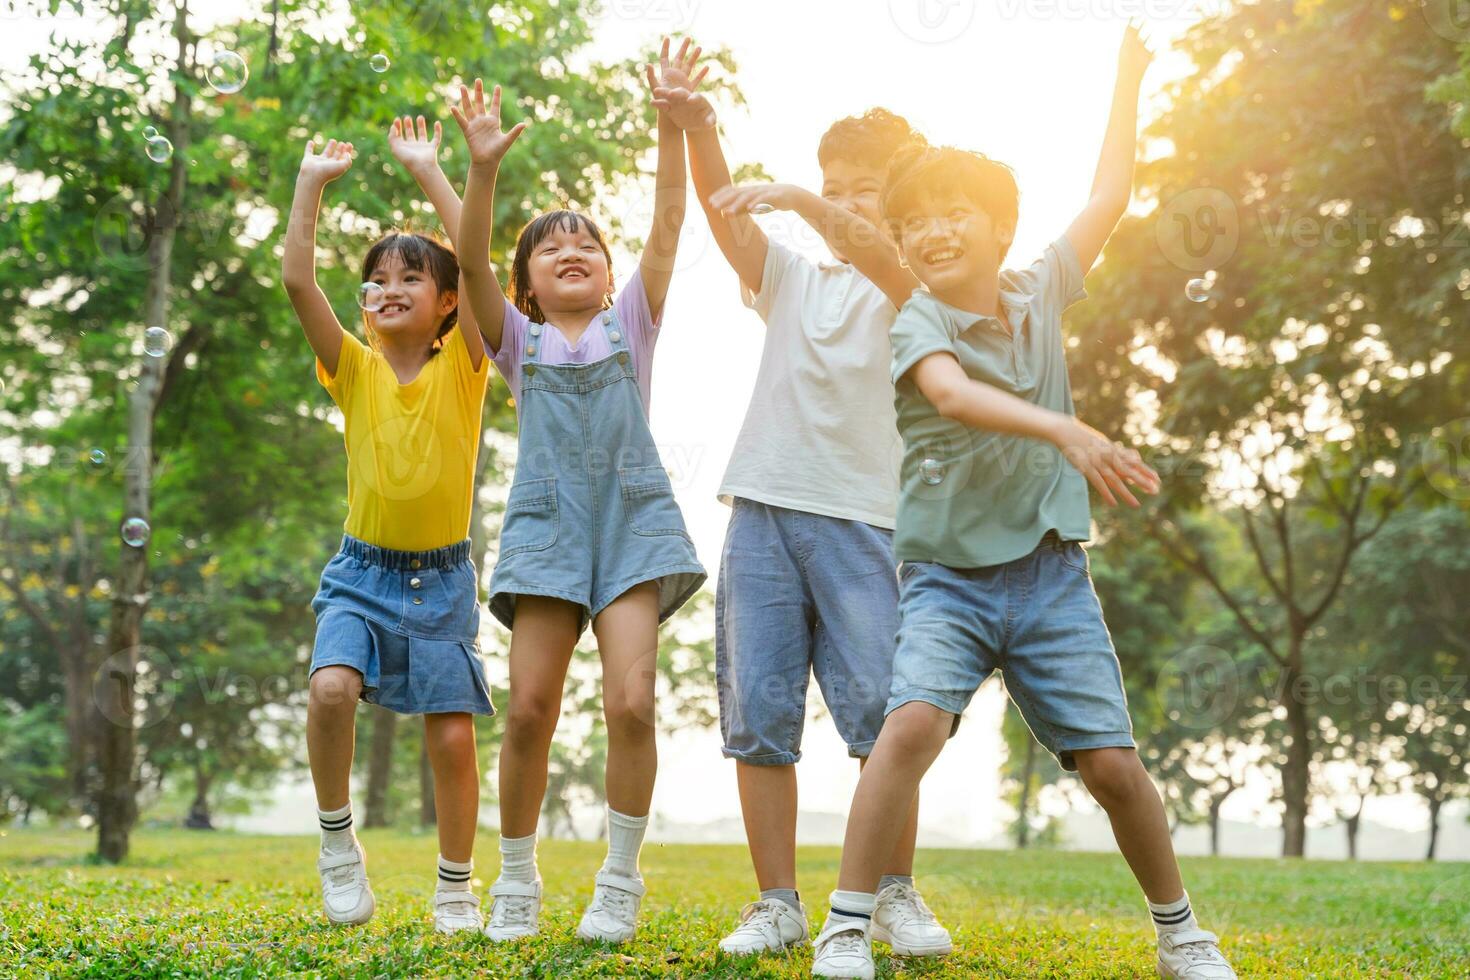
992 512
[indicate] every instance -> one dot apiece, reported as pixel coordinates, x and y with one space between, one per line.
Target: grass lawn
222 904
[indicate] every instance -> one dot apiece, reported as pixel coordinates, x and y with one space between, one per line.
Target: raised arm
1112 186
487 144
1109 466
671 183
845 232
420 157
298 264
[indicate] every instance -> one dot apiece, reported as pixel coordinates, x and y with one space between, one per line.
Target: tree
1298 397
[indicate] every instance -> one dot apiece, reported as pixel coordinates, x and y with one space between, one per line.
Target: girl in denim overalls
398 607
592 532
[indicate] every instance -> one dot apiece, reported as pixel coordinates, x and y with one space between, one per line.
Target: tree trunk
1351 824
1023 821
199 817
380 767
81 726
428 815
1296 773
1435 803
1216 802
117 804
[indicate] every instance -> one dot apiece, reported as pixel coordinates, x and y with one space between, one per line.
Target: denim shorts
408 622
798 594
1036 620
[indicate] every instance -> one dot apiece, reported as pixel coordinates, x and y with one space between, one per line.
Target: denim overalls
591 512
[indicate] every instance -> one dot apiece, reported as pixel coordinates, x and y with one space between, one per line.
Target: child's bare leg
911 740
331 720
451 741
902 861
768 804
1117 780
627 640
541 644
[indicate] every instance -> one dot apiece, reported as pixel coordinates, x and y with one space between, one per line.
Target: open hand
1109 466
734 200
1134 54
675 86
486 141
327 165
414 149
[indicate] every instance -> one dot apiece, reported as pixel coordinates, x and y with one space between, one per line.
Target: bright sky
1026 81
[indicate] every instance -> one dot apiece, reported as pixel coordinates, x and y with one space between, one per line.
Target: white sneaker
455 911
346 896
516 912
766 927
843 950
904 922
1193 954
612 915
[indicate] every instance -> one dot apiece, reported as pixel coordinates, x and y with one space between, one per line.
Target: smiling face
853 187
561 265
418 277
947 241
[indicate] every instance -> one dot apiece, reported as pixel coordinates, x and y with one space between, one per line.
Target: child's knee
631 715
1112 775
334 686
453 734
531 717
916 729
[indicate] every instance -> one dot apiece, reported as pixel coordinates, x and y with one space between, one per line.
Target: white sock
337 835
852 906
454 876
1175 916
624 841
518 858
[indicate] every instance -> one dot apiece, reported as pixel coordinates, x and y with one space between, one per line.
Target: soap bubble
227 73
135 532
379 63
160 149
156 341
931 471
370 297
150 132
97 458
1197 290
762 208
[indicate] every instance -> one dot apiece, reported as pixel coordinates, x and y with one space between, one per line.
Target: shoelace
847 941
910 905
758 917
458 910
1202 951
613 900
340 879
512 910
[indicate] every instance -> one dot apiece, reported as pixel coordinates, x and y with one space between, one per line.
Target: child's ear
1005 234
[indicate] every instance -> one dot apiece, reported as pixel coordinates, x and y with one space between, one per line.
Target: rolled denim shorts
408 622
802 594
1038 621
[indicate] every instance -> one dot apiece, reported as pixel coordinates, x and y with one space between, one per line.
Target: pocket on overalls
648 501
531 519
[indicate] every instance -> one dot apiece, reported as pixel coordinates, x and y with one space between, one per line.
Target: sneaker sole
766 950
881 935
510 939
357 918
590 938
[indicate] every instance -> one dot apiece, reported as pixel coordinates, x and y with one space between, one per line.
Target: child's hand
675 85
1134 54
414 150
327 166
486 141
1109 466
734 200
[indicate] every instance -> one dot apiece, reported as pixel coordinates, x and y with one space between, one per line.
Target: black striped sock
1172 916
335 821
1175 918
454 876
844 914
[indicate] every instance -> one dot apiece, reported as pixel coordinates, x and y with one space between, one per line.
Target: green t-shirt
971 498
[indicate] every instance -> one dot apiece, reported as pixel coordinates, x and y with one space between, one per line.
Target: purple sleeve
631 306
512 343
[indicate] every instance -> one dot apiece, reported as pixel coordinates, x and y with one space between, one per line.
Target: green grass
219 904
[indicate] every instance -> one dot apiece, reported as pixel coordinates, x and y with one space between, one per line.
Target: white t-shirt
820 434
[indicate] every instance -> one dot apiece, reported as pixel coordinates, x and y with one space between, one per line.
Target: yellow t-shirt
411 448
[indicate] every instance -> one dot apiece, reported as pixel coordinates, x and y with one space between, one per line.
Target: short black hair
869 140
988 184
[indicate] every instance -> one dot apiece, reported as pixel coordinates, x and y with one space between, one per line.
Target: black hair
421 253
869 140
537 230
988 184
